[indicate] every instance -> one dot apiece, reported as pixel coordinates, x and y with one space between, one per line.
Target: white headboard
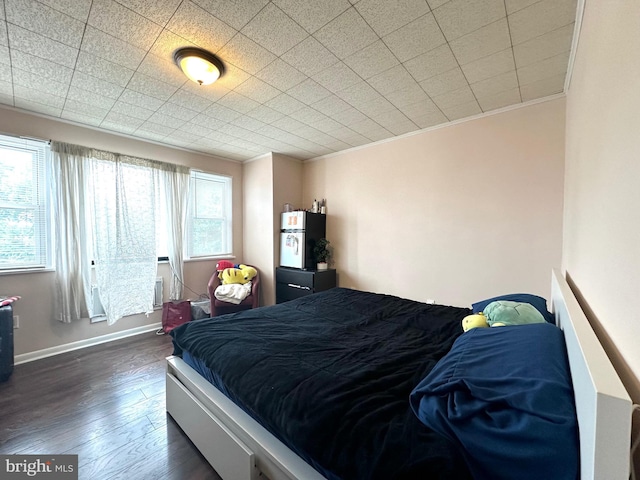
602 403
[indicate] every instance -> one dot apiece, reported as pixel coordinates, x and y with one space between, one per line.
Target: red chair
218 307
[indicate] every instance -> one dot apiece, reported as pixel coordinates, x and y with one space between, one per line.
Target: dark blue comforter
330 375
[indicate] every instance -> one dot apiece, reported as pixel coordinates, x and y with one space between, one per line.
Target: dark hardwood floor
107 405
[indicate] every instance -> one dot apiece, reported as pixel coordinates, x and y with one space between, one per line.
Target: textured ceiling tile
246 54
489 66
37 96
542 88
284 103
40 66
140 100
331 105
177 111
499 100
43 47
97 86
372 60
234 13
415 38
494 85
2 16
408 96
111 49
289 124
167 43
148 85
460 17
112 18
158 11
159 130
310 57
206 121
233 76
309 92
221 113
36 82
312 15
308 115
131 110
481 43
436 3
540 18
120 122
421 109
456 112
5 74
257 90
50 23
274 30
200 27
281 75
547 68
265 114
544 46
515 5
165 119
78 9
237 102
349 116
195 129
346 34
445 82
4 39
187 99
249 123
103 69
385 16
162 69
90 98
432 63
454 97
38 107
84 108
337 77
392 80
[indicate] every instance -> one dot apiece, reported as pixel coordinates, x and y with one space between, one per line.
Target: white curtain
73 266
124 211
174 182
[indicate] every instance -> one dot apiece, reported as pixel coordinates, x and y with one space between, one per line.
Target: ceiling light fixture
201 66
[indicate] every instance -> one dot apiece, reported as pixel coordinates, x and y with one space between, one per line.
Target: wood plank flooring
107 405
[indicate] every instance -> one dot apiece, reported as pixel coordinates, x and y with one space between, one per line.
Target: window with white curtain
209 227
25 239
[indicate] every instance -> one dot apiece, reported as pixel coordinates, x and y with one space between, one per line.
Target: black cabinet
292 283
6 342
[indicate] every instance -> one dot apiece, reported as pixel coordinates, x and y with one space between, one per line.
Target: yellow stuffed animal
248 272
232 275
474 321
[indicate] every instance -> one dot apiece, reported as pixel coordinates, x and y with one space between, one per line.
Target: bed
338 410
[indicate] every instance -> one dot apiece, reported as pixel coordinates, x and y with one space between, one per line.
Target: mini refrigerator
299 232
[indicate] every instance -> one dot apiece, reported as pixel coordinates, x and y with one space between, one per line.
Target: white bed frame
239 448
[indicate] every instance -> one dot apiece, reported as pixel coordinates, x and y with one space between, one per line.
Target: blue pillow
504 396
539 303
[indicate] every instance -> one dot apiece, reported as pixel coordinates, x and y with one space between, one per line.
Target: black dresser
292 283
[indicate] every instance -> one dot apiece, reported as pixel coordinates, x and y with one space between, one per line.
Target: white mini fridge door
292 249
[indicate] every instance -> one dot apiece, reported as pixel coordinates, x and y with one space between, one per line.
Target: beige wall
455 214
602 213
258 221
38 330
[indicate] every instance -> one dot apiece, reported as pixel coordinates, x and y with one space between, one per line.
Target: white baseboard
89 342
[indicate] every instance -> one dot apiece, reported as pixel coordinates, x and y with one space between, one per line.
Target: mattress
330 375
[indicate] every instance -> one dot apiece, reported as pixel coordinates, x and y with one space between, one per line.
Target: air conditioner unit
157 293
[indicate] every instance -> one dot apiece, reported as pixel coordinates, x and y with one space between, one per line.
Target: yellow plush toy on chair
248 272
232 275
474 321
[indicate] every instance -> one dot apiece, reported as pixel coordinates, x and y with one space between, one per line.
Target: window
210 218
24 204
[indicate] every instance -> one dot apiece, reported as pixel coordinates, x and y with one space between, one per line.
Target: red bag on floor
175 314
